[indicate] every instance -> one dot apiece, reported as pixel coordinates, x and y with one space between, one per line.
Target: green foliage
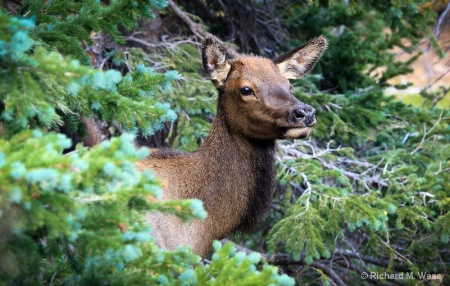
231 267
302 229
194 99
44 89
358 49
64 25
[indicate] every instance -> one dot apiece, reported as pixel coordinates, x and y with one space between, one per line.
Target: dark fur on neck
260 194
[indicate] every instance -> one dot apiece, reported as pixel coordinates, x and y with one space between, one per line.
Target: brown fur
233 171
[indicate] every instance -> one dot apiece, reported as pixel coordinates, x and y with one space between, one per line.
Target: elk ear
215 61
301 60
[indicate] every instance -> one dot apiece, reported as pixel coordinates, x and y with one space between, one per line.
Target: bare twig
329 272
369 259
355 176
437 30
165 44
293 151
426 133
437 79
197 29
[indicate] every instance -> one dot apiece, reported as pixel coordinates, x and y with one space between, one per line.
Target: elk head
254 92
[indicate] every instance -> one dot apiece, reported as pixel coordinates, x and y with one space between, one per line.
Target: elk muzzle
302 117
304 114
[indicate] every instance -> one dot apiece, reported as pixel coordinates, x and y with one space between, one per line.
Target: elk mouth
295 132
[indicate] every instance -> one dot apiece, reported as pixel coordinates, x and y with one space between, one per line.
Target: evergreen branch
306 192
287 259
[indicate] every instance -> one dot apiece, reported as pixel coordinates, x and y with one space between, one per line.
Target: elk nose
305 114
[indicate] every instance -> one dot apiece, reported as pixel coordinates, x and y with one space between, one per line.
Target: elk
233 171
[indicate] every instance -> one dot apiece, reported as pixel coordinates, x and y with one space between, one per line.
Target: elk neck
238 174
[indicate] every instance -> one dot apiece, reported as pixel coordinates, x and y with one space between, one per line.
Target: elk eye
246 90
